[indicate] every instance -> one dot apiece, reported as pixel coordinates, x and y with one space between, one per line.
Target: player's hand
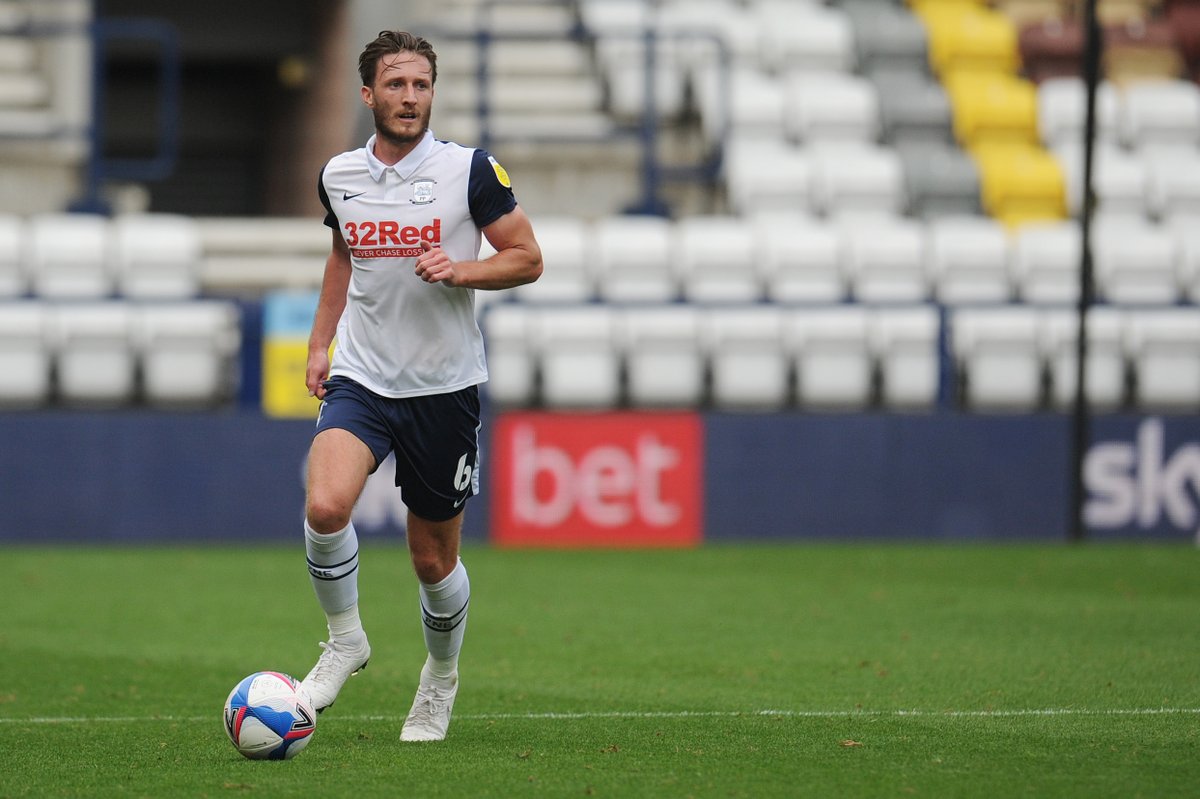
316 374
434 266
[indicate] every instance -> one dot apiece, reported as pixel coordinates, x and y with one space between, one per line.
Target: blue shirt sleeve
489 195
331 219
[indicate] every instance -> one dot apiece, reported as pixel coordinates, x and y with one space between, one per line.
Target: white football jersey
400 336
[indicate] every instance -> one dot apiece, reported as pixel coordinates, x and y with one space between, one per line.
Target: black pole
1081 418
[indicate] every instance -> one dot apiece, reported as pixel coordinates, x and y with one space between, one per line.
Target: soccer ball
268 718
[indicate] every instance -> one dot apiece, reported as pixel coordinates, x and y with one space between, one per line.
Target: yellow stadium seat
992 106
965 36
1020 183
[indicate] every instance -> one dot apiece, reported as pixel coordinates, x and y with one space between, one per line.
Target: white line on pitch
666 714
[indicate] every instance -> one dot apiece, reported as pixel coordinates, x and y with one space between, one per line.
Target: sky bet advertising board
624 479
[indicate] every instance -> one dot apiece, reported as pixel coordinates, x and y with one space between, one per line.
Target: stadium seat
13 282
1106 374
969 259
1162 345
511 354
25 354
717 259
887 37
1024 13
1160 113
1062 107
68 256
664 362
698 26
188 351
989 107
1119 180
940 179
748 363
580 366
622 59
1051 49
832 356
250 253
996 352
156 256
913 108
1045 262
633 259
567 274
801 259
886 260
1135 263
1184 19
1140 49
831 107
95 353
799 37
857 179
968 37
905 342
743 103
767 175
1020 183
1173 182
1187 246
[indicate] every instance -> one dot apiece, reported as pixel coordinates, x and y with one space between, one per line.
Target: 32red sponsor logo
629 479
390 239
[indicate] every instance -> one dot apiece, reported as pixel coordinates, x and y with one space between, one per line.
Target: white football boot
333 668
430 715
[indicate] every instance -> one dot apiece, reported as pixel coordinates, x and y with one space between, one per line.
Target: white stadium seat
1172 183
886 260
1160 113
664 361
969 259
580 364
1045 262
745 102
26 356
768 175
801 259
633 259
1061 107
804 37
68 256
511 358
567 275
831 107
906 345
13 282
832 355
1163 346
95 353
156 256
1135 264
717 259
996 352
747 357
1105 356
1119 180
855 179
188 351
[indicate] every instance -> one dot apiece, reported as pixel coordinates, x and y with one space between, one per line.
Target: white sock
444 613
333 567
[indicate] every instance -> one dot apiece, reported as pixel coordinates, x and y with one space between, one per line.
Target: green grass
753 671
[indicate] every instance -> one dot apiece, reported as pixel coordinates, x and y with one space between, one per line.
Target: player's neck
390 152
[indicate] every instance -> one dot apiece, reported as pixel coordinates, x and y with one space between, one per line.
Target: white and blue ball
268 718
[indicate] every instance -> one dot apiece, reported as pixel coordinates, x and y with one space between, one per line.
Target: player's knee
432 567
325 516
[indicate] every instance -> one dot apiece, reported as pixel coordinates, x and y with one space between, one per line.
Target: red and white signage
614 479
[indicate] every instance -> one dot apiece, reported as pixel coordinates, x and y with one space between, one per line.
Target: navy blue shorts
435 438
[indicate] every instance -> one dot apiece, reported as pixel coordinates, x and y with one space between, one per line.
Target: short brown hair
389 42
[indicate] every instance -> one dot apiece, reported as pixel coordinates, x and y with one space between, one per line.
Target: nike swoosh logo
348 196
459 502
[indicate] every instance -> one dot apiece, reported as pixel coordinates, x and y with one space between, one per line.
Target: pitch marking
669 714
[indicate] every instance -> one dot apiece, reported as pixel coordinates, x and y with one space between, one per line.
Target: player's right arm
329 310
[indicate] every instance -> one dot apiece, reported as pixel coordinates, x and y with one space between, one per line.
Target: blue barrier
238 476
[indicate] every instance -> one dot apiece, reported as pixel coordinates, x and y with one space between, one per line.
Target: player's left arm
518 259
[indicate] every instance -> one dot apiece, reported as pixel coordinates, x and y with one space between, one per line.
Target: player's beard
385 129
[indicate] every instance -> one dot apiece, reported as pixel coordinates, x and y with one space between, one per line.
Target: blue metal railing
102 168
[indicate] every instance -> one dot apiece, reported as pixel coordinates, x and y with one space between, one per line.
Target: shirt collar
406 165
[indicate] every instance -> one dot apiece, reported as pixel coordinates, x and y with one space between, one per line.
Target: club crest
423 191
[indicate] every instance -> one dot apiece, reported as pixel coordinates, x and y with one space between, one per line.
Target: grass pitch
752 671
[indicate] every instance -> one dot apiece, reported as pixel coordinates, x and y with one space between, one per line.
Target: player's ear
368 96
